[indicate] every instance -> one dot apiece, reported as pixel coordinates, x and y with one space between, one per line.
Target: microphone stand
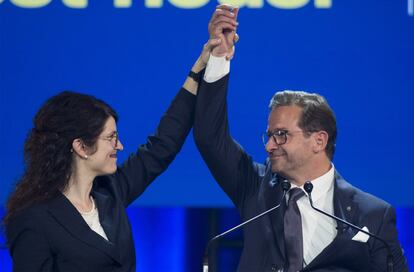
390 259
285 186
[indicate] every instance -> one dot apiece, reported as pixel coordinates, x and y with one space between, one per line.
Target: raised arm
154 157
230 165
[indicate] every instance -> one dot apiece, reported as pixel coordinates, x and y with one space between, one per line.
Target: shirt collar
321 185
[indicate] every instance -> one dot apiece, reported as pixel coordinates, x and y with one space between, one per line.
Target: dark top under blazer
54 237
253 189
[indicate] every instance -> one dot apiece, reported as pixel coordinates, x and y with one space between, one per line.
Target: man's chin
275 168
278 169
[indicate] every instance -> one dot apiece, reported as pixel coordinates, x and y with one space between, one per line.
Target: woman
68 210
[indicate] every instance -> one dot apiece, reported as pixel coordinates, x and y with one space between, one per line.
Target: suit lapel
106 216
345 208
70 219
272 194
344 204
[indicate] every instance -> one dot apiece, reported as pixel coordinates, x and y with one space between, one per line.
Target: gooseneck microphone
285 187
390 259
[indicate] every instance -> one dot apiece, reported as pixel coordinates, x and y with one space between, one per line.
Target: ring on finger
236 38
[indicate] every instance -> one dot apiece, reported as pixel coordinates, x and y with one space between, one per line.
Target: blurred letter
243 3
122 3
153 3
30 3
76 3
288 4
185 4
323 3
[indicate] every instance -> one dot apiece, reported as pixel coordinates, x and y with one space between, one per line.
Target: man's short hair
316 114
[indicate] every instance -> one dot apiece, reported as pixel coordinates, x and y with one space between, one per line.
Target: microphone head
308 187
286 185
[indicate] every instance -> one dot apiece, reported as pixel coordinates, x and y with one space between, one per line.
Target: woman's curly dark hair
47 151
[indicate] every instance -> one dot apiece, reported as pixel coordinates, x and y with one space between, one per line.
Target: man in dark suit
300 142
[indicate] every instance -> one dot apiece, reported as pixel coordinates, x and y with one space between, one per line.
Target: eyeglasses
113 139
279 136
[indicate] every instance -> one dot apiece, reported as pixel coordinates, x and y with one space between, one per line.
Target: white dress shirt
318 230
217 67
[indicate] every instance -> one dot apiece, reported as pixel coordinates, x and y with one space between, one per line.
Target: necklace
88 212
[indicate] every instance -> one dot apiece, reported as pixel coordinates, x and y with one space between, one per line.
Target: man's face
291 158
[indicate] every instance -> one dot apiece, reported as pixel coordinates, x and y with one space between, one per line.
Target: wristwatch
195 76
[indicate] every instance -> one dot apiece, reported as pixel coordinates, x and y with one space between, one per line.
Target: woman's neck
79 191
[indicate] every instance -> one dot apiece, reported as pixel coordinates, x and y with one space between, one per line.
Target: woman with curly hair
67 212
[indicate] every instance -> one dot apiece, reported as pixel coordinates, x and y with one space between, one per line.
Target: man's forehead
285 115
284 118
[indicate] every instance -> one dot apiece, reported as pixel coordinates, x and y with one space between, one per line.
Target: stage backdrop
136 54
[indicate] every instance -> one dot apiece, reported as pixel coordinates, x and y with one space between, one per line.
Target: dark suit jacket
54 237
253 188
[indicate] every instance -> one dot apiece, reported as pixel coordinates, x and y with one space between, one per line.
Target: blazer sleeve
153 157
388 232
28 246
230 165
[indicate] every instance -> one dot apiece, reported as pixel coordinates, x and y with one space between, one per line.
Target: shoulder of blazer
31 218
349 195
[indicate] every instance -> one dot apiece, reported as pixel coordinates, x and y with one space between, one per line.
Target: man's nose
271 145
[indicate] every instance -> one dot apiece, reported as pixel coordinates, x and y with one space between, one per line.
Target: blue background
358 54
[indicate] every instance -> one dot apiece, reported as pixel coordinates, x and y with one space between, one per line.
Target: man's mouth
275 156
114 156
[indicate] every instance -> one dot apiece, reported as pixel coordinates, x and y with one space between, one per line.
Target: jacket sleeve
388 232
153 157
230 165
28 246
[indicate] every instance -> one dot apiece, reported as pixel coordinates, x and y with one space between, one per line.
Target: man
300 142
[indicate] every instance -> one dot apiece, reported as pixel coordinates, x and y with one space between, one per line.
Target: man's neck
312 172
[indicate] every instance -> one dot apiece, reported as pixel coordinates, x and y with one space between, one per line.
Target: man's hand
223 26
222 30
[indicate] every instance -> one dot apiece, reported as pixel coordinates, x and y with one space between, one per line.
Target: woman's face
103 161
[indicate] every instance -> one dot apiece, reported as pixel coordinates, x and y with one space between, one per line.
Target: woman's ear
79 148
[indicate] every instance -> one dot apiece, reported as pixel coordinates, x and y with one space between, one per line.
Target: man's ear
79 148
320 141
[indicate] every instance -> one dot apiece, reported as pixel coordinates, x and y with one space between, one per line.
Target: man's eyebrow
276 129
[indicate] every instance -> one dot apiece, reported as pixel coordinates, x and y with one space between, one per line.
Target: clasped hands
222 33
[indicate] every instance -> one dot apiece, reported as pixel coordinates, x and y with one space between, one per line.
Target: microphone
390 259
285 187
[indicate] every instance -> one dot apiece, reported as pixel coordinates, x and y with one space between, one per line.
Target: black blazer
53 236
253 189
